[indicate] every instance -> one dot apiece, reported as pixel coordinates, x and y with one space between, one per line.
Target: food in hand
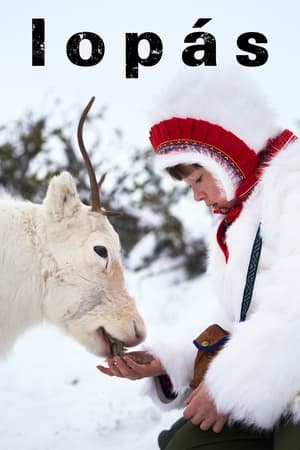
116 347
140 357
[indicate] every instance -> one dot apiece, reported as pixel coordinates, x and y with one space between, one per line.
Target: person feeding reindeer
240 385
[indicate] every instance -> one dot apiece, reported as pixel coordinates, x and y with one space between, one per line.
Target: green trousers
183 435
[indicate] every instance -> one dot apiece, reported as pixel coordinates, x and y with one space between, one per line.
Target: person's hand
202 411
126 366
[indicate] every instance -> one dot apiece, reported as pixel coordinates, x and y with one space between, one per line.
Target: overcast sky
26 87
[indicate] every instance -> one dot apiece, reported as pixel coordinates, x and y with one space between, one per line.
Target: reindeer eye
101 251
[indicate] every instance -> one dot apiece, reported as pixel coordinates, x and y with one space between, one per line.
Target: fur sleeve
173 346
256 377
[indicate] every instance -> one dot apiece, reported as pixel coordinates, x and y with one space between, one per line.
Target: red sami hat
195 141
217 119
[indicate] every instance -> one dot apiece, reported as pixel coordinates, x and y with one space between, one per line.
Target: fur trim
177 360
229 98
224 180
174 347
152 389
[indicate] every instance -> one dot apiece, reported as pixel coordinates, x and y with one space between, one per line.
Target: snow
52 395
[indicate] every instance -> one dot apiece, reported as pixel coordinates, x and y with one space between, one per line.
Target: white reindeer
60 261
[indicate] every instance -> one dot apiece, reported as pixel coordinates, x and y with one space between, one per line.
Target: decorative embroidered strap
251 275
205 345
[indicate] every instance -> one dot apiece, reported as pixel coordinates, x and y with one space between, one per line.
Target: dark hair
181 171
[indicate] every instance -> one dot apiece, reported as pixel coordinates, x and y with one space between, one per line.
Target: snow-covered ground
53 397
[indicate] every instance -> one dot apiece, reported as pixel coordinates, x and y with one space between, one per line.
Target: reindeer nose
139 332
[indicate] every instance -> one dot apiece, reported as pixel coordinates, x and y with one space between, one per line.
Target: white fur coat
256 377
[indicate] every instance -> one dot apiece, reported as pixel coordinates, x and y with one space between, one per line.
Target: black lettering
38 42
97 49
261 54
133 58
207 47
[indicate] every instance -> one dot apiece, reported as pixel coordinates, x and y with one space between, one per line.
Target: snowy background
52 395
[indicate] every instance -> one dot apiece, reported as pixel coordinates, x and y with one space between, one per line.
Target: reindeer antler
95 196
95 187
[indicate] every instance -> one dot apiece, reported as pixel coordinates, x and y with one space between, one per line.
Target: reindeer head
85 291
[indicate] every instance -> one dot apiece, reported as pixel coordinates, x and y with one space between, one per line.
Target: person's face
205 188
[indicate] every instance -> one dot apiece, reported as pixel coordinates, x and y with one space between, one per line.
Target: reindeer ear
62 199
